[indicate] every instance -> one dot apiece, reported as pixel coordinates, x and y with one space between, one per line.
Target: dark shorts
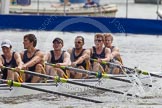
4 73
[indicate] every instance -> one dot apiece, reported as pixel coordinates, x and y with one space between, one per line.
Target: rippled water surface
136 50
141 51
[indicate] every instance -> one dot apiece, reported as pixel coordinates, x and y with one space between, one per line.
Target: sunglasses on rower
98 40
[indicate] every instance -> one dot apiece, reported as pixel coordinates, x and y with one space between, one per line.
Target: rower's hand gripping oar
16 84
132 70
63 80
121 67
97 74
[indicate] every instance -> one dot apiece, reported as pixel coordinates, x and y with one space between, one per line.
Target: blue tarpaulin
81 24
23 2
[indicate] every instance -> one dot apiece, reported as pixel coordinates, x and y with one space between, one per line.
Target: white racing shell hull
63 87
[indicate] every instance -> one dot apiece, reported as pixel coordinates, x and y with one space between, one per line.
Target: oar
17 84
119 66
97 74
6 88
63 80
134 70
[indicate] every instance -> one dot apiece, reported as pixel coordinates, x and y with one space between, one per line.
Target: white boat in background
107 10
159 13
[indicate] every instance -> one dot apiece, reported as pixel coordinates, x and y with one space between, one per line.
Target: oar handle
13 69
54 65
132 70
106 63
97 74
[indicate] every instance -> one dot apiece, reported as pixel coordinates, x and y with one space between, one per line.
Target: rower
100 53
32 58
10 59
58 57
90 3
115 54
79 57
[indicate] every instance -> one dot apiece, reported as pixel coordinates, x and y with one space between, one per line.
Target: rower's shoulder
22 53
87 51
16 54
69 50
1 56
91 49
115 48
107 49
39 51
66 54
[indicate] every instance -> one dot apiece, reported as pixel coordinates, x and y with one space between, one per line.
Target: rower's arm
36 59
1 61
66 60
115 52
21 55
86 55
90 51
107 55
47 57
69 51
18 59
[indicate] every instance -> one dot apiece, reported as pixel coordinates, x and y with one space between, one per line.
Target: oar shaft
81 70
62 94
123 80
92 73
147 73
33 73
155 75
6 88
71 82
77 83
133 70
49 91
95 73
99 88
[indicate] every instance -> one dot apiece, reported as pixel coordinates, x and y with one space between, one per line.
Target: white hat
6 43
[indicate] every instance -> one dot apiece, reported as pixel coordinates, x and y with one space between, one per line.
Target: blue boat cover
81 24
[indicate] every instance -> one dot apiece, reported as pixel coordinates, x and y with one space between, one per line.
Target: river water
140 51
